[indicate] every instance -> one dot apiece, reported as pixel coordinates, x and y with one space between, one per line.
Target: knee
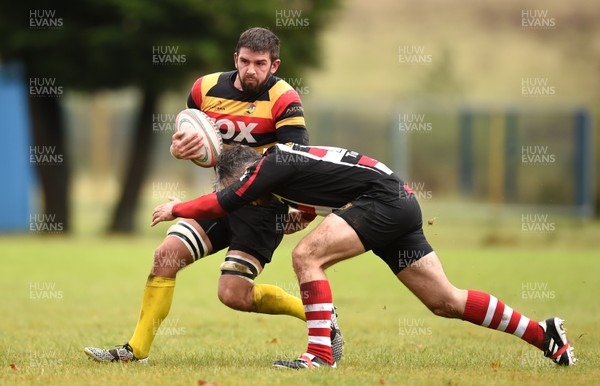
237 297
167 261
441 308
448 306
302 258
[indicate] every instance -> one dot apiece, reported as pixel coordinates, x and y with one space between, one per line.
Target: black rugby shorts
393 229
254 229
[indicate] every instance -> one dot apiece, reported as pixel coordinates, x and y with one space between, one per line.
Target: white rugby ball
195 121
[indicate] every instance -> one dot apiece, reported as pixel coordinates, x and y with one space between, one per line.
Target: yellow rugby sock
156 302
270 299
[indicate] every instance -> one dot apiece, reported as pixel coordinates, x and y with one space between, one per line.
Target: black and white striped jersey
316 179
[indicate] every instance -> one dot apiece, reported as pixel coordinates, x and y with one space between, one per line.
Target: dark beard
251 89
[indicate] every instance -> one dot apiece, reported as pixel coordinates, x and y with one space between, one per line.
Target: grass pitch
64 293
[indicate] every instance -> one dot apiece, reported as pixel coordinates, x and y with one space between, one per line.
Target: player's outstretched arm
164 212
205 207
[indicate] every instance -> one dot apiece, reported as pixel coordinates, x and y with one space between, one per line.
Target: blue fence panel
15 141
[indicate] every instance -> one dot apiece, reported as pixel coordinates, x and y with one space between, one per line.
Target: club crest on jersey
250 109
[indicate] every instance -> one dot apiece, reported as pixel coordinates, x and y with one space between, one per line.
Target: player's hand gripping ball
195 121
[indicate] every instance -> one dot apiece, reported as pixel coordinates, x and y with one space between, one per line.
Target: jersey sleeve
288 114
294 134
259 180
205 207
194 100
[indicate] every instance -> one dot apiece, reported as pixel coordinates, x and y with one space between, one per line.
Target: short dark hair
259 39
232 162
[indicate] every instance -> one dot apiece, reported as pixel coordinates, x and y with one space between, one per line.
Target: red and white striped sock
317 300
485 310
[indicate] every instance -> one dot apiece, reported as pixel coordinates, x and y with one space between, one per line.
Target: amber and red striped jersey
273 115
315 179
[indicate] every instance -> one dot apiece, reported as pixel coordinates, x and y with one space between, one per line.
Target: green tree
88 45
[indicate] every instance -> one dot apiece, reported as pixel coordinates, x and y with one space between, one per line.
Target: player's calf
448 305
238 272
235 293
